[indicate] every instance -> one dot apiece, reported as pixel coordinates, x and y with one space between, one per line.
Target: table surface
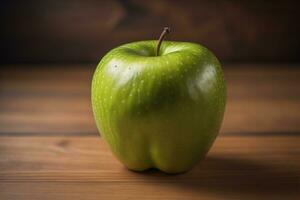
50 148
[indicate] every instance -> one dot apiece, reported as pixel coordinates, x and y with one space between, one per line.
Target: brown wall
76 31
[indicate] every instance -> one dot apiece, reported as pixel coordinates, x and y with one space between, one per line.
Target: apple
159 104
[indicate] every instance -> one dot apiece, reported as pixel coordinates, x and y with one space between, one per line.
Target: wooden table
50 148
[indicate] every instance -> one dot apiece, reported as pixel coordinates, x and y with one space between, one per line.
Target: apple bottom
163 150
166 167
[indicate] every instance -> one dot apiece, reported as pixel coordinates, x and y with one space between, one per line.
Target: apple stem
161 37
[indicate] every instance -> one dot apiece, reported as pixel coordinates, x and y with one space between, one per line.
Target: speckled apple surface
160 111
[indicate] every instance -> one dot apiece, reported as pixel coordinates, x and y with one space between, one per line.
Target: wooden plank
56 100
137 191
83 168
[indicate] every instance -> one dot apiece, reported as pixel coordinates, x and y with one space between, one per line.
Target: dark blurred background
36 31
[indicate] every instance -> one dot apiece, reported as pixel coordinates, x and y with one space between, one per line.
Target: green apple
159 104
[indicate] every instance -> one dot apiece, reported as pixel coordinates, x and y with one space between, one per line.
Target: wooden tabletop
50 148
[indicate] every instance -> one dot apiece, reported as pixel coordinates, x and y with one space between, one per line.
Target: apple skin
161 111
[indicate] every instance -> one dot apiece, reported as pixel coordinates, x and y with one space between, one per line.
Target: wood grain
45 112
38 100
83 168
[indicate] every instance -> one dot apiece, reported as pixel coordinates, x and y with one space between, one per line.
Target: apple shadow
234 176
